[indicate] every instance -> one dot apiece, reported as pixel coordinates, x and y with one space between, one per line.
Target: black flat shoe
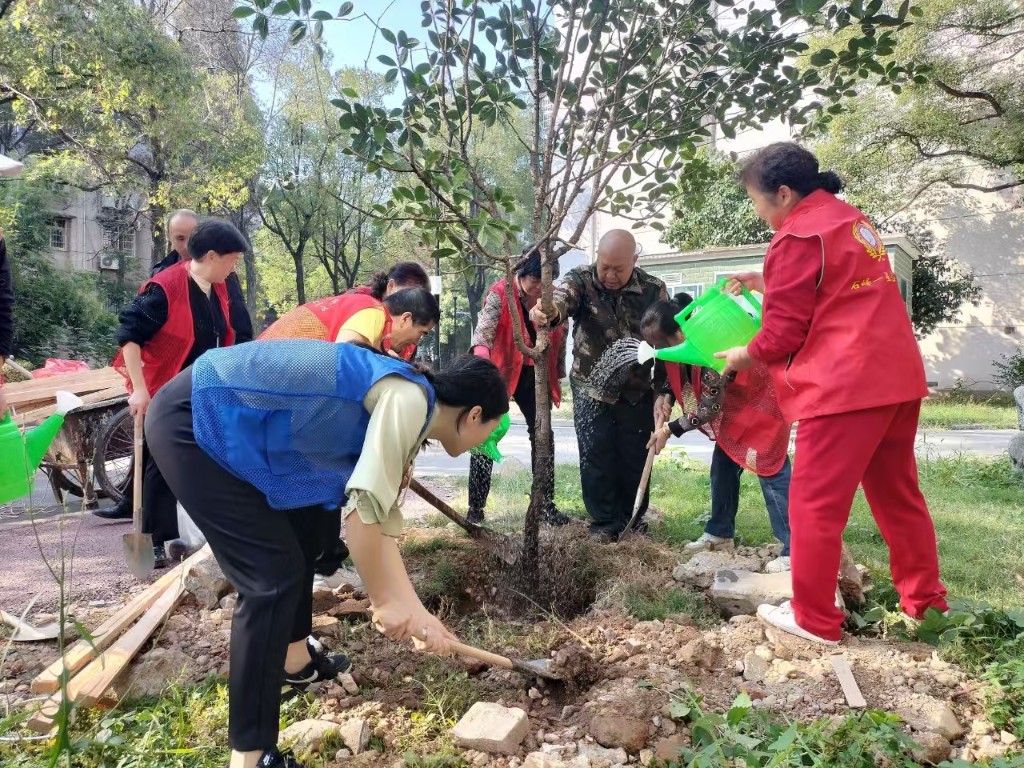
274 758
117 512
322 667
475 516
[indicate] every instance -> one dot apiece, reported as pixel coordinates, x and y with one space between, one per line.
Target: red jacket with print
836 334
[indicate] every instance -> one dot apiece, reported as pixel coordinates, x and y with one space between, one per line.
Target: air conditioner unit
672 279
110 261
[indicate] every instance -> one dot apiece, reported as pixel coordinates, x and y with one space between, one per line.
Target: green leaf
823 57
321 16
740 706
261 26
916 11
678 711
345 10
809 7
282 8
388 35
242 12
785 741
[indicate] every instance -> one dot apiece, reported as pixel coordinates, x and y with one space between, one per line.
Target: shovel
138 546
501 546
26 633
644 479
539 668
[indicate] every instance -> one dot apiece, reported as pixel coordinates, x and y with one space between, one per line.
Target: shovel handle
439 505
137 485
494 659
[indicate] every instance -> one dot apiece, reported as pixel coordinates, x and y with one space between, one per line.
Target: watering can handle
720 286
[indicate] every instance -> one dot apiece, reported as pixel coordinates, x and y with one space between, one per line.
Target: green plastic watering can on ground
22 452
489 447
712 323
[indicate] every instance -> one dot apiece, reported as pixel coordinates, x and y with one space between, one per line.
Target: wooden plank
40 413
45 389
43 720
854 698
89 686
82 652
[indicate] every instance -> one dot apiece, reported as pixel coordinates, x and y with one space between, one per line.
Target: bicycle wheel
114 457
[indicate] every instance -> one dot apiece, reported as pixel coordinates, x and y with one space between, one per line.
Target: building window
59 234
119 237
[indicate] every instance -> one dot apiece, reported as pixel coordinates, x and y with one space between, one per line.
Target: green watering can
720 324
489 447
21 453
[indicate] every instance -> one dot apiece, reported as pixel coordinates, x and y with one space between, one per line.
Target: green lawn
977 505
961 411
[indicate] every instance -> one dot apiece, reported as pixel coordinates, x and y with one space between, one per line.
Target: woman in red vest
177 316
395 324
492 339
837 339
404 274
741 414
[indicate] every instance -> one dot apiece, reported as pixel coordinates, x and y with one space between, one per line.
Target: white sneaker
778 565
709 543
782 617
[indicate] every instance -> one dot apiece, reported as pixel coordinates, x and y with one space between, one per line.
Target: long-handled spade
498 544
138 546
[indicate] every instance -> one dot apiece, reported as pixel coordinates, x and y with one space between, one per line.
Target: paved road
516 446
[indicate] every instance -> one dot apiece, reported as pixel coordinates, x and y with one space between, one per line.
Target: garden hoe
138 546
503 547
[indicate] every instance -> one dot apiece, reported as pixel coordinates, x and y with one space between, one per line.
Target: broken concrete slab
616 731
738 592
492 728
926 713
355 734
307 735
699 571
206 581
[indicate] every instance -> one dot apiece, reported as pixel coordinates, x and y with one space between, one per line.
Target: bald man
606 301
179 229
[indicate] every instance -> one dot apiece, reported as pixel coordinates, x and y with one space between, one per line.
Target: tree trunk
159 218
300 275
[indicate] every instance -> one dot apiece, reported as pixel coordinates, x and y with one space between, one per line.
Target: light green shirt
395 434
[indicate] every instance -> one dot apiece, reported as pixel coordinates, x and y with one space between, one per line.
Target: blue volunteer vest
288 417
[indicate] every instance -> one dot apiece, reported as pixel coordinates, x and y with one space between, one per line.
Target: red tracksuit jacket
836 335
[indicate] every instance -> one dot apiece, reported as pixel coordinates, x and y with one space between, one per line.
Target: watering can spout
681 353
645 352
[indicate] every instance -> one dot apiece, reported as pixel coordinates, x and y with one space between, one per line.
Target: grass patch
185 728
959 411
647 604
977 505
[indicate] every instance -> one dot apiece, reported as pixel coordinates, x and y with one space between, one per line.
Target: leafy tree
57 313
618 95
118 105
963 113
711 209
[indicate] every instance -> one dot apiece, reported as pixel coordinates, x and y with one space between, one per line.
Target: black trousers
480 467
613 449
266 553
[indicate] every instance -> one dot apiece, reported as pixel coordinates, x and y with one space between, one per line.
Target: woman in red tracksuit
837 339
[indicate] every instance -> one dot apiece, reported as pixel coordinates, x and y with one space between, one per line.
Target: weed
446 698
1004 695
644 603
443 760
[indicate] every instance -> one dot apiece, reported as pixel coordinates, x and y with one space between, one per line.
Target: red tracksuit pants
835 454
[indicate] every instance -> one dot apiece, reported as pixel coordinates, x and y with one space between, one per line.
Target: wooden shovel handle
137 486
487 657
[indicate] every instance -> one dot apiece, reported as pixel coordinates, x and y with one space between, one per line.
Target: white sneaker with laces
778 565
709 543
782 617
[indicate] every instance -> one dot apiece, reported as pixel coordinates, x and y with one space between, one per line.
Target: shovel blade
138 552
538 668
26 633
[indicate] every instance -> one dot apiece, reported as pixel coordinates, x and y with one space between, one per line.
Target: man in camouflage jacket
606 302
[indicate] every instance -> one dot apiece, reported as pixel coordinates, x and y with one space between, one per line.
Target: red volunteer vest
322 320
365 290
860 351
164 355
507 356
749 428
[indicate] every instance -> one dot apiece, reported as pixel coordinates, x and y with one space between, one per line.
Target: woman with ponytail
837 339
262 440
403 275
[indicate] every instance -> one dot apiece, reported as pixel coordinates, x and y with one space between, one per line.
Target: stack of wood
93 665
36 399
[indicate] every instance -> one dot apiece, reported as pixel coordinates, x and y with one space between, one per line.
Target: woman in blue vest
260 441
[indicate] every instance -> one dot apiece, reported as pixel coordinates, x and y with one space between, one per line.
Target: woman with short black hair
492 339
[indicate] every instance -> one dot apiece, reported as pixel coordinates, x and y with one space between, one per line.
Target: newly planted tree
617 95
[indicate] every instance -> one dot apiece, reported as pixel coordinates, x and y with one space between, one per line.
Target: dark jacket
601 317
6 304
240 320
